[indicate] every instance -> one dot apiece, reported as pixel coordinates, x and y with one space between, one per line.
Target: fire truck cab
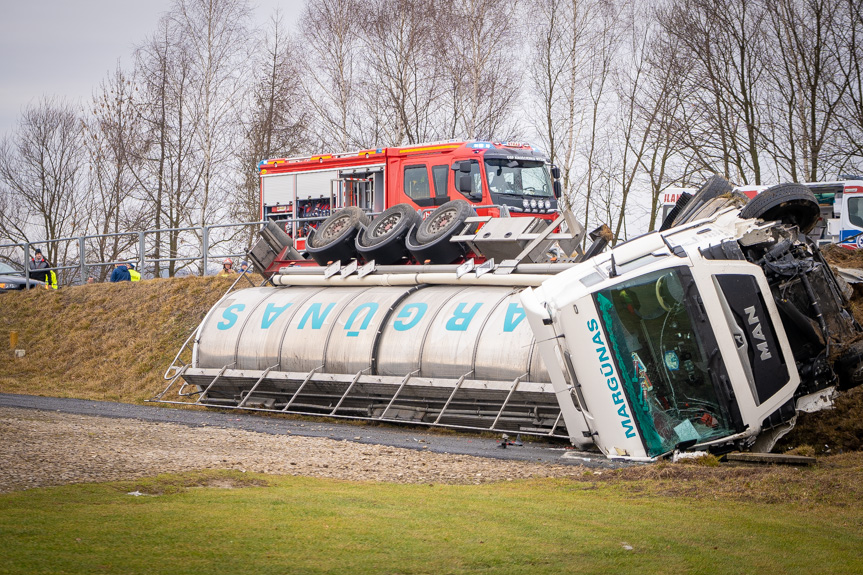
511 177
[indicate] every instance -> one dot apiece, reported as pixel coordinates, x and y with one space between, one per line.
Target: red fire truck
492 176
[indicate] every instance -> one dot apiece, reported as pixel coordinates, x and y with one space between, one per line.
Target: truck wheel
334 238
714 187
338 225
675 211
384 239
792 204
444 221
391 223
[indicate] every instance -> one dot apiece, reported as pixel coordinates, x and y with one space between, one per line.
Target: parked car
15 279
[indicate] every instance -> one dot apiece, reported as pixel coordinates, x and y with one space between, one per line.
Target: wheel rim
441 221
386 225
336 227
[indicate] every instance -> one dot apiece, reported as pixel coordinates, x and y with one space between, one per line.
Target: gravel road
51 441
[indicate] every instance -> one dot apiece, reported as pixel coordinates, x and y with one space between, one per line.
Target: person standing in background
120 273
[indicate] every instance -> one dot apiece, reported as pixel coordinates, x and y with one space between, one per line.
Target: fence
81 254
190 250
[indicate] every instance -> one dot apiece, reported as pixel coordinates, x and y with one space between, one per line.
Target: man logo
757 333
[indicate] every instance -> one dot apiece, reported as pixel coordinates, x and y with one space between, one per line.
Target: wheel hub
442 221
336 227
387 224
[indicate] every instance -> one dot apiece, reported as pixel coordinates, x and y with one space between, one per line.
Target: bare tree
40 175
332 42
659 106
724 48
169 170
849 50
278 116
604 40
808 83
112 140
483 79
561 59
402 57
216 36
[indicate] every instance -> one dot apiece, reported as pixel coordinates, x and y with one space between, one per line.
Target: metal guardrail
136 242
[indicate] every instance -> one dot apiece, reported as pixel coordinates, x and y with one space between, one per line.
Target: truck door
416 185
440 177
467 177
359 192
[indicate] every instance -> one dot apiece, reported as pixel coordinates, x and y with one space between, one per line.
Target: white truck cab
665 343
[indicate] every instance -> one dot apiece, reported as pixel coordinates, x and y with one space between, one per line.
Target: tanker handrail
409 279
172 376
550 268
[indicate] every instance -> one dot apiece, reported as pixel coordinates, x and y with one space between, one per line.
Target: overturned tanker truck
712 334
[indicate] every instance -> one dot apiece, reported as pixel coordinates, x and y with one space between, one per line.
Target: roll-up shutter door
278 189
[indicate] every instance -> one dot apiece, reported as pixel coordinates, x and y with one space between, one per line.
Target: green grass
267 524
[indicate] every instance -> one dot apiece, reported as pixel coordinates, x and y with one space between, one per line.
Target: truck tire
384 239
714 187
675 211
445 221
391 223
335 237
792 204
441 251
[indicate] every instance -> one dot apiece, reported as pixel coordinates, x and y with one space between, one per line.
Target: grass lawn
192 523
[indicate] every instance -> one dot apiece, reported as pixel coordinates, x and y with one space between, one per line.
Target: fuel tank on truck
453 355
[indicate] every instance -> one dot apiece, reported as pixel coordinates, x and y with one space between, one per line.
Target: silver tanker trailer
710 334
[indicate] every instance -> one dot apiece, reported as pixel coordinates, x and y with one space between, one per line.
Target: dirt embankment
101 341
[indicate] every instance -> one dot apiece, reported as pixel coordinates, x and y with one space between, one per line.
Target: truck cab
675 340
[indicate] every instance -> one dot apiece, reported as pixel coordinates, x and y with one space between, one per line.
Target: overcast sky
67 47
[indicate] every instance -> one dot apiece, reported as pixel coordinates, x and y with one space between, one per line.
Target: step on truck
710 335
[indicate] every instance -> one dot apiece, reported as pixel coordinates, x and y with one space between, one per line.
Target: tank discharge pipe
411 279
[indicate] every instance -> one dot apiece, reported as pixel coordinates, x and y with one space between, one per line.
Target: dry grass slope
101 341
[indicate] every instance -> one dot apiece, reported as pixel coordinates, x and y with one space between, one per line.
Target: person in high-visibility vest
39 270
133 273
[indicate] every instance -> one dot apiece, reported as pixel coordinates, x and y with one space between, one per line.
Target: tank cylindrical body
438 331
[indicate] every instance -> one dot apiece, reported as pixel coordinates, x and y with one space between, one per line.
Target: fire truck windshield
518 177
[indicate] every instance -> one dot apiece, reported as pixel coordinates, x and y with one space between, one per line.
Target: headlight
525 203
548 204
533 203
